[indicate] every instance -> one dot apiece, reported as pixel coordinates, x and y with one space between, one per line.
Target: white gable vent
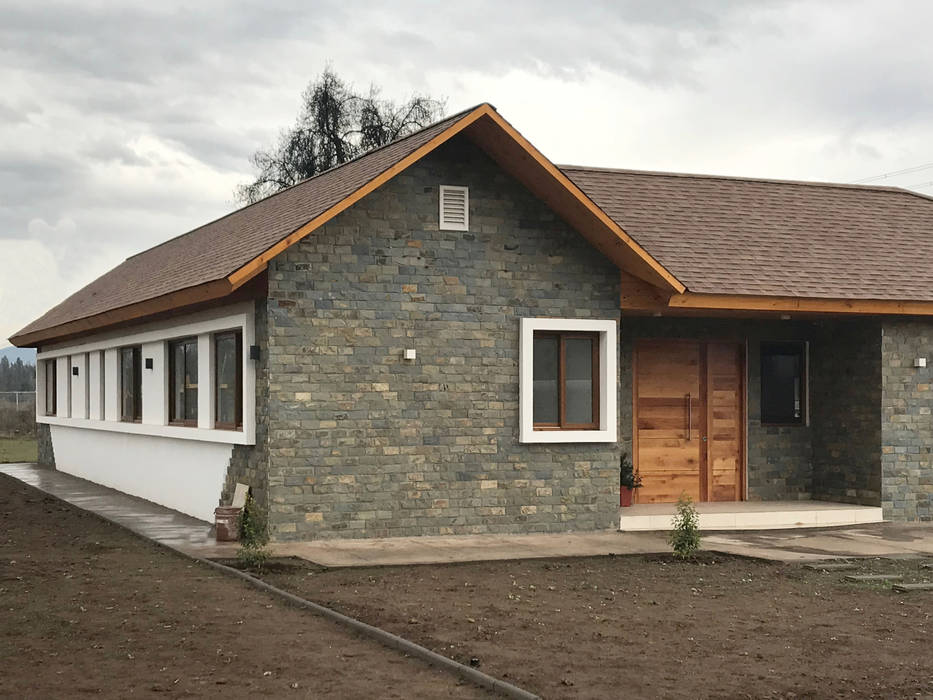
455 208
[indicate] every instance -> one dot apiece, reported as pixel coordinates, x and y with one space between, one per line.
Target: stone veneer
44 440
363 443
845 387
907 420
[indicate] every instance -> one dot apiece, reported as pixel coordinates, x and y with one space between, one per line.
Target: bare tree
336 124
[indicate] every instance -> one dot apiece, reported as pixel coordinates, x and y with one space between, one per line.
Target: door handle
689 417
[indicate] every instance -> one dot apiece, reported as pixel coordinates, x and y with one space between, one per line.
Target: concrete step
758 515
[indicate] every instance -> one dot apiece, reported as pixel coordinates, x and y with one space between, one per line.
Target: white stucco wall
186 475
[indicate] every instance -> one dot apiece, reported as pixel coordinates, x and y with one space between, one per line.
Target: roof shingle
723 235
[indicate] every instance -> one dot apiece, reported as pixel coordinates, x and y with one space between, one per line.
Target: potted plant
629 480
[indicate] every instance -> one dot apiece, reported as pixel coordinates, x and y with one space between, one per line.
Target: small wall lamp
148 363
254 352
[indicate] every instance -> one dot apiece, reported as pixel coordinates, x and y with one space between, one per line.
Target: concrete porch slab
751 515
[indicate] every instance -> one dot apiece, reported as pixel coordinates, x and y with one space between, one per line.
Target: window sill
557 436
232 437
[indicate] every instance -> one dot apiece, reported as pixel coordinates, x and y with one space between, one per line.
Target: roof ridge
313 177
743 178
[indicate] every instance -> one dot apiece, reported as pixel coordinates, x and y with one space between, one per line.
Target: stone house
453 335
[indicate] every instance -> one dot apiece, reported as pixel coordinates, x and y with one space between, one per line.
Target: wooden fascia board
201 293
800 304
692 301
661 277
259 263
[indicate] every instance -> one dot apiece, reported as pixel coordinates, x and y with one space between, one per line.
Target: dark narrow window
51 387
783 383
566 381
183 381
131 384
228 380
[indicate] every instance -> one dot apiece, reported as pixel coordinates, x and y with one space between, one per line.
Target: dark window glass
783 383
566 380
228 380
131 380
183 381
546 393
51 387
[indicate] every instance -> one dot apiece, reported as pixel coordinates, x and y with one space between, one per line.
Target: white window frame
608 380
445 225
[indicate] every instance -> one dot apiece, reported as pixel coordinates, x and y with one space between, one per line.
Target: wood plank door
668 414
689 416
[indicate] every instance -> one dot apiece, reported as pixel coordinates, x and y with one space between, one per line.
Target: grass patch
18 450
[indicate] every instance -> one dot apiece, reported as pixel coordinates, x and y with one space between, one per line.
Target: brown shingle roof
215 250
723 235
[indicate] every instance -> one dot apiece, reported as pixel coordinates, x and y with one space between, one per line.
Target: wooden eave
639 298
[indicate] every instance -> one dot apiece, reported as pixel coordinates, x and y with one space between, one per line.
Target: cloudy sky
124 124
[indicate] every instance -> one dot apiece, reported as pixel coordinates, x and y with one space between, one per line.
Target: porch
751 515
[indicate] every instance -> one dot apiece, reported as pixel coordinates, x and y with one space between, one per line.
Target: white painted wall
95 385
111 385
78 385
63 389
186 475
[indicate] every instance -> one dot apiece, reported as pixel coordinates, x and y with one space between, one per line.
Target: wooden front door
689 420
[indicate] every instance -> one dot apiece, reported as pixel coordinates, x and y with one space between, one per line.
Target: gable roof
740 236
214 260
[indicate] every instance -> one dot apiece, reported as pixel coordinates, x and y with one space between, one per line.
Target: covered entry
689 418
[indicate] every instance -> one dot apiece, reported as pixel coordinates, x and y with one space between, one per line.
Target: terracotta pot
225 523
625 496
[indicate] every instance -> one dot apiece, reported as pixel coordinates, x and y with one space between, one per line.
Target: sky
123 124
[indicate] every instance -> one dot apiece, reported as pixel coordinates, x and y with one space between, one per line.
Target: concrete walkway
195 537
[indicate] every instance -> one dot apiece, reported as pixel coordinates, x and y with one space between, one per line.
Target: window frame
801 349
171 345
51 385
562 422
237 424
608 333
136 354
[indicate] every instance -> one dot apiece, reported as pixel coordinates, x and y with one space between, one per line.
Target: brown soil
652 626
89 609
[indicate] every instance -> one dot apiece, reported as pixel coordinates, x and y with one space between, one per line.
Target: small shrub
254 536
685 537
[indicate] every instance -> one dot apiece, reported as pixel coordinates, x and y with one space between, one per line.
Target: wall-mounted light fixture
254 352
148 363
74 371
920 362
410 354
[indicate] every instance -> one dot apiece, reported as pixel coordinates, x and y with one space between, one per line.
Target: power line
905 171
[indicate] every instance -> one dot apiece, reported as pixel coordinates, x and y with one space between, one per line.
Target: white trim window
567 381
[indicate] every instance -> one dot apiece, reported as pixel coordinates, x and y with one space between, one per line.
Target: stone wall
44 439
363 443
249 464
907 423
845 388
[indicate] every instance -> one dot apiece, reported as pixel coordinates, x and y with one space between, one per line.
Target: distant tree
335 124
17 376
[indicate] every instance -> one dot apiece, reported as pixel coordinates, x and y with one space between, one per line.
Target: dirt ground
91 610
649 626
